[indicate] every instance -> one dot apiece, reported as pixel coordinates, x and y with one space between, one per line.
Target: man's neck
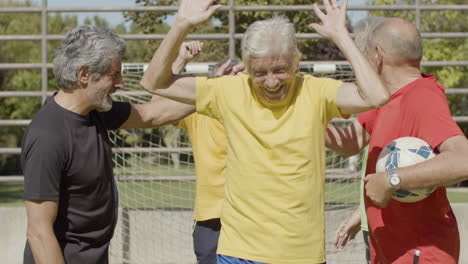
74 100
397 77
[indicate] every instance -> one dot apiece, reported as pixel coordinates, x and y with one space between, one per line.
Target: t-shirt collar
411 84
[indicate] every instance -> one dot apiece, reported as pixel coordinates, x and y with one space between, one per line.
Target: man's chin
105 106
274 100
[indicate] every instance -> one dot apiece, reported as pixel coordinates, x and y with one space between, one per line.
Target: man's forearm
443 170
159 74
371 88
178 65
45 247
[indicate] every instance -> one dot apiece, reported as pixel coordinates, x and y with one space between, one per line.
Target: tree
25 79
21 80
311 49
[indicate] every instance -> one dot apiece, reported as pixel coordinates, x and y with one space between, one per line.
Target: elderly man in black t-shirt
69 187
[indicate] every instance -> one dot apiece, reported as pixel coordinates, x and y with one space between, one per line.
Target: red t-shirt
420 110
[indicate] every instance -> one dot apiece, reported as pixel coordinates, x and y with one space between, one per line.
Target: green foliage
30 80
25 80
151 22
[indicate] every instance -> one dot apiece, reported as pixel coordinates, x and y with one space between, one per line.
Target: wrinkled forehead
271 62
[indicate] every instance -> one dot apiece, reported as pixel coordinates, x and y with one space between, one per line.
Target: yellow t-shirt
275 174
209 151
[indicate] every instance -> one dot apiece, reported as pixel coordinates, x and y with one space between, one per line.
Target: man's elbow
378 101
145 84
152 86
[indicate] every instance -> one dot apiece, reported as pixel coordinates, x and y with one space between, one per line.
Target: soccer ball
402 152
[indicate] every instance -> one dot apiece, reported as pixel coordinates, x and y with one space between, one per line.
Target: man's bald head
399 39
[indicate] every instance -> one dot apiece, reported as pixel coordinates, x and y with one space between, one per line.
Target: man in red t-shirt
417 108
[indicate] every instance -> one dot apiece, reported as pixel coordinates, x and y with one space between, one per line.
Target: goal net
155 172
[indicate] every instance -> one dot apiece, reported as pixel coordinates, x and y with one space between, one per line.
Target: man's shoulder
225 81
48 125
311 81
199 120
424 89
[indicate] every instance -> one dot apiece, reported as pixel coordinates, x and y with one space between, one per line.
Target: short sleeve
329 90
43 161
114 118
208 97
182 124
431 114
187 121
367 120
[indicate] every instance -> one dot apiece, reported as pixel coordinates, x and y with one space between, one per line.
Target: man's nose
119 84
271 81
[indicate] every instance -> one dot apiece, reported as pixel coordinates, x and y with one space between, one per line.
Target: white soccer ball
402 152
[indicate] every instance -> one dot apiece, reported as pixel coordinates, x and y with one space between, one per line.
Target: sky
115 18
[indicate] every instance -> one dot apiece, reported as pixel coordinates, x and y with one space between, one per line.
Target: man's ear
379 57
83 76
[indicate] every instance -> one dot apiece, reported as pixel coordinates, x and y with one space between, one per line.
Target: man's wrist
342 38
183 24
394 180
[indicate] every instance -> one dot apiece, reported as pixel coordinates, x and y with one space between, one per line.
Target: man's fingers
343 240
338 234
222 70
206 4
327 5
213 9
318 12
239 68
318 28
345 5
334 4
199 45
368 177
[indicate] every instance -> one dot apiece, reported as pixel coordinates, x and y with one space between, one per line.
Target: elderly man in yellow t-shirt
274 122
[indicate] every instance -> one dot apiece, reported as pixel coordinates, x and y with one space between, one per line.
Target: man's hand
189 50
227 69
333 22
194 12
238 69
378 189
348 229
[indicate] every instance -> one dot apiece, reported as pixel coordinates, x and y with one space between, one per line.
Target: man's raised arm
158 78
370 92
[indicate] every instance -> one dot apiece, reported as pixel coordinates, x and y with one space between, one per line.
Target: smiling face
100 91
273 78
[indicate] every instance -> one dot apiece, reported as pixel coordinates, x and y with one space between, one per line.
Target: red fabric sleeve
367 120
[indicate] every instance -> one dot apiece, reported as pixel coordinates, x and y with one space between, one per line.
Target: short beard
104 105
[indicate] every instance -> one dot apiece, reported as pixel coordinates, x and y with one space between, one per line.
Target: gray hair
86 46
271 36
363 32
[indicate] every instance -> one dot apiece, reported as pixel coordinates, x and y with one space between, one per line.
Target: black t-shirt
66 157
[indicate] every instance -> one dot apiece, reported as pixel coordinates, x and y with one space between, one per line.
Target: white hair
267 37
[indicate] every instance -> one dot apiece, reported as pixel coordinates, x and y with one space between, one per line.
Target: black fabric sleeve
43 161
114 118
